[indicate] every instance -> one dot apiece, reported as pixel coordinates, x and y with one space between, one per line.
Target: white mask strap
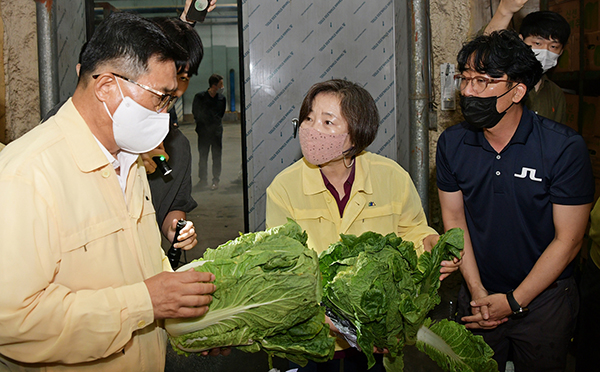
104 103
108 112
119 86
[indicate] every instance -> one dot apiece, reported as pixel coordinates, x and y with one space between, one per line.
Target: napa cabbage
379 285
268 297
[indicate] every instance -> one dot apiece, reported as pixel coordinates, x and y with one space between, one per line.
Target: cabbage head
379 285
268 297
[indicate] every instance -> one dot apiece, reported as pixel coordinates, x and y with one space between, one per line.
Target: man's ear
104 85
519 92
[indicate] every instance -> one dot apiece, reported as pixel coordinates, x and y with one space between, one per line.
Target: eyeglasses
478 83
166 100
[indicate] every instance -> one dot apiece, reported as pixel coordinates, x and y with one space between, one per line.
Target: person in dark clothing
208 109
521 187
172 194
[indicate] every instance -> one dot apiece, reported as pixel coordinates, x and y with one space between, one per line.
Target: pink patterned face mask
319 148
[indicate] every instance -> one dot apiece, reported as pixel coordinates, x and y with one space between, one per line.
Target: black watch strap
514 305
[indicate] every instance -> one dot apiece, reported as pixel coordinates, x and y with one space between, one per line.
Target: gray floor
219 218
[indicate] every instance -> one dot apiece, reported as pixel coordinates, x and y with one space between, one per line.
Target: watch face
521 313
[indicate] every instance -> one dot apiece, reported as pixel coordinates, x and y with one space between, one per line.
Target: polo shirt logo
531 172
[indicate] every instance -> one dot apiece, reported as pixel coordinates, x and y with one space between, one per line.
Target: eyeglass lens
166 102
478 84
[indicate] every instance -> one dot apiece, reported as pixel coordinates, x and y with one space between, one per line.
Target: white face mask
137 129
221 90
547 58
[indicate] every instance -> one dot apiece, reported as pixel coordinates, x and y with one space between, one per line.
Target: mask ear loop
505 93
344 159
123 96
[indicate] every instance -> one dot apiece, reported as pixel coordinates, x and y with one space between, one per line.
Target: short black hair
214 79
186 36
501 52
357 106
546 24
127 41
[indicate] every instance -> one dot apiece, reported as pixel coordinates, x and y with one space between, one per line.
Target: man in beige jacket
85 283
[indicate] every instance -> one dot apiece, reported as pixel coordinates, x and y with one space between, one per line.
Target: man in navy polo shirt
521 187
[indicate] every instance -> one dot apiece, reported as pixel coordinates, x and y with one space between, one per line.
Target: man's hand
489 311
180 295
504 14
187 236
149 163
188 3
511 6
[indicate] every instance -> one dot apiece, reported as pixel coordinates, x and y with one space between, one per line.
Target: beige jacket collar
79 137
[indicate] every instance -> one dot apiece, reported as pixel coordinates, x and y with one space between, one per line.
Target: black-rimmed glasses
166 100
478 83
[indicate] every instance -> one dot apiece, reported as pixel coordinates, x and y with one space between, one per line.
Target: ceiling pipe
47 56
418 101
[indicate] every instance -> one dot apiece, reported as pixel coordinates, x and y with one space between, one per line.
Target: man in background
208 109
546 33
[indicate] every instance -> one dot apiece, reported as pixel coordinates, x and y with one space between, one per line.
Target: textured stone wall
20 67
447 38
2 87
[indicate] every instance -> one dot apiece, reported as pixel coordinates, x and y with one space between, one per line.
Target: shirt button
498 157
141 324
497 173
105 173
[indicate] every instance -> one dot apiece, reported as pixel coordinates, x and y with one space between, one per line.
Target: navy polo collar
475 137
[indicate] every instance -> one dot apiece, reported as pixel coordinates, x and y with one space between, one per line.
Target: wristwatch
517 310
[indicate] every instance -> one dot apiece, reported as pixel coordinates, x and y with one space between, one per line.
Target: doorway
220 215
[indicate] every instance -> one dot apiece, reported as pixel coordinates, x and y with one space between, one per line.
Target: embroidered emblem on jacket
531 173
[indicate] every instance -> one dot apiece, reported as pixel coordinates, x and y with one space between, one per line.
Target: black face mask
481 112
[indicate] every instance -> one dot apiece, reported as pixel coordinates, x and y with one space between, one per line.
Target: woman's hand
430 241
448 267
217 351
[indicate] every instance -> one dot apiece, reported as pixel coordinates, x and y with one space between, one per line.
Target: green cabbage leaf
267 297
379 285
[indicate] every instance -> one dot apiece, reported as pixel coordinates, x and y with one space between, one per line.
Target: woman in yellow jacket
338 188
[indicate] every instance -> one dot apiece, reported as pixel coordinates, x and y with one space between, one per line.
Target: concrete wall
20 67
2 87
